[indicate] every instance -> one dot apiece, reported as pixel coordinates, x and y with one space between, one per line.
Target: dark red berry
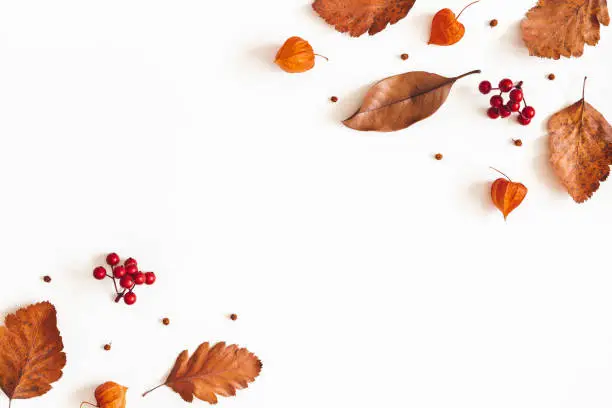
47 279
129 298
516 95
130 261
165 321
528 112
99 272
513 106
485 87
504 112
126 282
119 272
150 278
131 269
496 101
493 113
234 316
112 259
139 278
523 120
505 85
107 347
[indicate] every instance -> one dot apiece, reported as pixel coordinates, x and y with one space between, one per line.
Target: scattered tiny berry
518 142
129 298
107 347
493 23
513 106
551 77
99 272
126 282
47 279
485 87
523 120
166 321
528 112
404 57
505 85
150 278
130 261
119 272
334 99
112 259
516 95
139 278
496 101
131 269
234 316
504 112
493 113
438 156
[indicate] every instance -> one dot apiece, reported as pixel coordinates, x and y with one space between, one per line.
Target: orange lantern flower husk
446 28
507 195
296 55
110 395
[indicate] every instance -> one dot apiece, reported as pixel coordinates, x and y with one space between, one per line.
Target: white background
364 272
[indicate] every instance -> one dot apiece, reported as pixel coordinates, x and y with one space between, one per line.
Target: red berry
513 106
493 113
485 87
99 272
129 298
504 112
119 272
139 278
516 95
126 282
523 120
150 278
131 269
496 101
505 85
528 112
112 259
130 261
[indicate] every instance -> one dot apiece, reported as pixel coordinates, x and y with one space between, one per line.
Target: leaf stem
476 71
153 389
583 86
88 403
322 56
461 12
502 173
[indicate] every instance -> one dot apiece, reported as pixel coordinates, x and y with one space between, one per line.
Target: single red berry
234 316
112 259
126 282
513 106
523 120
505 85
496 101
99 272
130 261
129 298
493 113
150 278
504 112
528 112
516 95
131 269
119 272
139 278
485 87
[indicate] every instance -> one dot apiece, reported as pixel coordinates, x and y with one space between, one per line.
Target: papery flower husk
295 56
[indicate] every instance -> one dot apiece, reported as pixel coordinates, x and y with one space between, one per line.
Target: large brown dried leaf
401 100
580 148
31 356
358 16
212 371
556 28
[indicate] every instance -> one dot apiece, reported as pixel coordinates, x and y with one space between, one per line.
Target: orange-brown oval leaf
111 395
555 28
402 100
359 16
507 195
31 356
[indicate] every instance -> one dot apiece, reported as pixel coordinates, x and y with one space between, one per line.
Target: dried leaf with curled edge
212 371
401 100
31 356
360 16
555 28
580 148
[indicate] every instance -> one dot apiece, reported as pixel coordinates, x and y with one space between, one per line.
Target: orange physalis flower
507 195
446 28
296 55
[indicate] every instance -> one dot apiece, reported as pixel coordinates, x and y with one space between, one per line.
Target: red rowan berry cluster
504 109
128 275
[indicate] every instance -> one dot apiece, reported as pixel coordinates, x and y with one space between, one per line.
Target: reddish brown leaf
212 371
556 28
358 16
580 148
401 100
31 356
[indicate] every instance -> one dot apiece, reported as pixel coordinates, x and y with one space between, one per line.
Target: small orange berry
438 156
166 321
404 57
551 77
518 142
493 23
334 99
107 347
234 316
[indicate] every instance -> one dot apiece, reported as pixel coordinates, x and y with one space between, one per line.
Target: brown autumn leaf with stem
31 356
357 17
109 395
506 194
555 28
402 100
580 148
212 371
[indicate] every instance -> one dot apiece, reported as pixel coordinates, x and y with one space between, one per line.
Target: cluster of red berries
500 108
128 275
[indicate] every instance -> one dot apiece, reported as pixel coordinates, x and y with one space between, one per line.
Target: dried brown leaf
358 16
402 100
31 356
212 371
555 28
580 148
